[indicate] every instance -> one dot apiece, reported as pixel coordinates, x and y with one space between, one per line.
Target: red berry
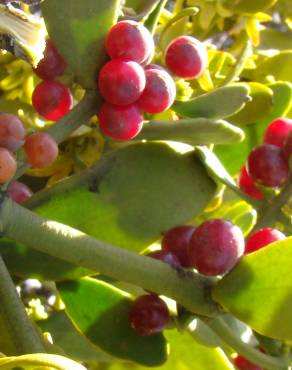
267 166
159 93
153 66
121 82
261 238
41 149
215 247
148 315
120 123
176 240
8 165
243 364
129 40
19 192
277 131
52 64
11 132
247 184
186 57
165 256
52 100
287 148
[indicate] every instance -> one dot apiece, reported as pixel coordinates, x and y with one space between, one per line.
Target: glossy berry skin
52 64
267 166
215 247
148 315
52 100
287 148
165 256
41 149
12 132
159 93
247 184
19 192
129 40
153 66
120 123
8 165
244 364
121 82
261 238
277 131
176 241
186 57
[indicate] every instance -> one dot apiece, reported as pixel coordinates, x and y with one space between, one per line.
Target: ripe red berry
8 165
121 82
129 40
165 256
277 131
176 240
215 247
41 149
247 184
243 364
267 166
287 148
186 57
148 315
19 192
261 238
159 93
52 64
52 100
120 123
153 66
11 132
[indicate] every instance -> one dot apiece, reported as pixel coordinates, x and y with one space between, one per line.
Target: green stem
187 288
153 18
20 329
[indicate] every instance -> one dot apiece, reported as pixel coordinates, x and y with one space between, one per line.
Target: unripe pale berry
215 247
129 40
186 57
52 100
19 192
120 123
41 149
247 184
277 131
267 166
121 82
11 132
8 165
165 256
261 238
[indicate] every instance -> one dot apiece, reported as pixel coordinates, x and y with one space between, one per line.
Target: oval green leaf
278 66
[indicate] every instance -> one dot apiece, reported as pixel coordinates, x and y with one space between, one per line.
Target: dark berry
159 93
8 165
261 238
176 240
148 315
19 192
186 57
165 256
267 166
277 131
11 132
41 149
243 364
215 247
287 148
120 123
247 184
52 100
52 64
121 82
129 40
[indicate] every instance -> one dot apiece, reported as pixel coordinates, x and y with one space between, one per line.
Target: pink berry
247 185
129 40
153 66
41 149
121 82
52 64
261 238
277 131
19 192
186 57
287 148
8 165
243 364
215 247
120 123
52 100
267 166
148 315
159 93
165 256
11 132
176 241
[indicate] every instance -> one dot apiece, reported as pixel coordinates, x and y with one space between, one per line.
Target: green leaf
274 39
258 290
100 311
278 66
217 104
7 345
247 6
78 29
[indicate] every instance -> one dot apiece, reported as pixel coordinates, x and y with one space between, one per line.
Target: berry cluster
268 164
129 89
